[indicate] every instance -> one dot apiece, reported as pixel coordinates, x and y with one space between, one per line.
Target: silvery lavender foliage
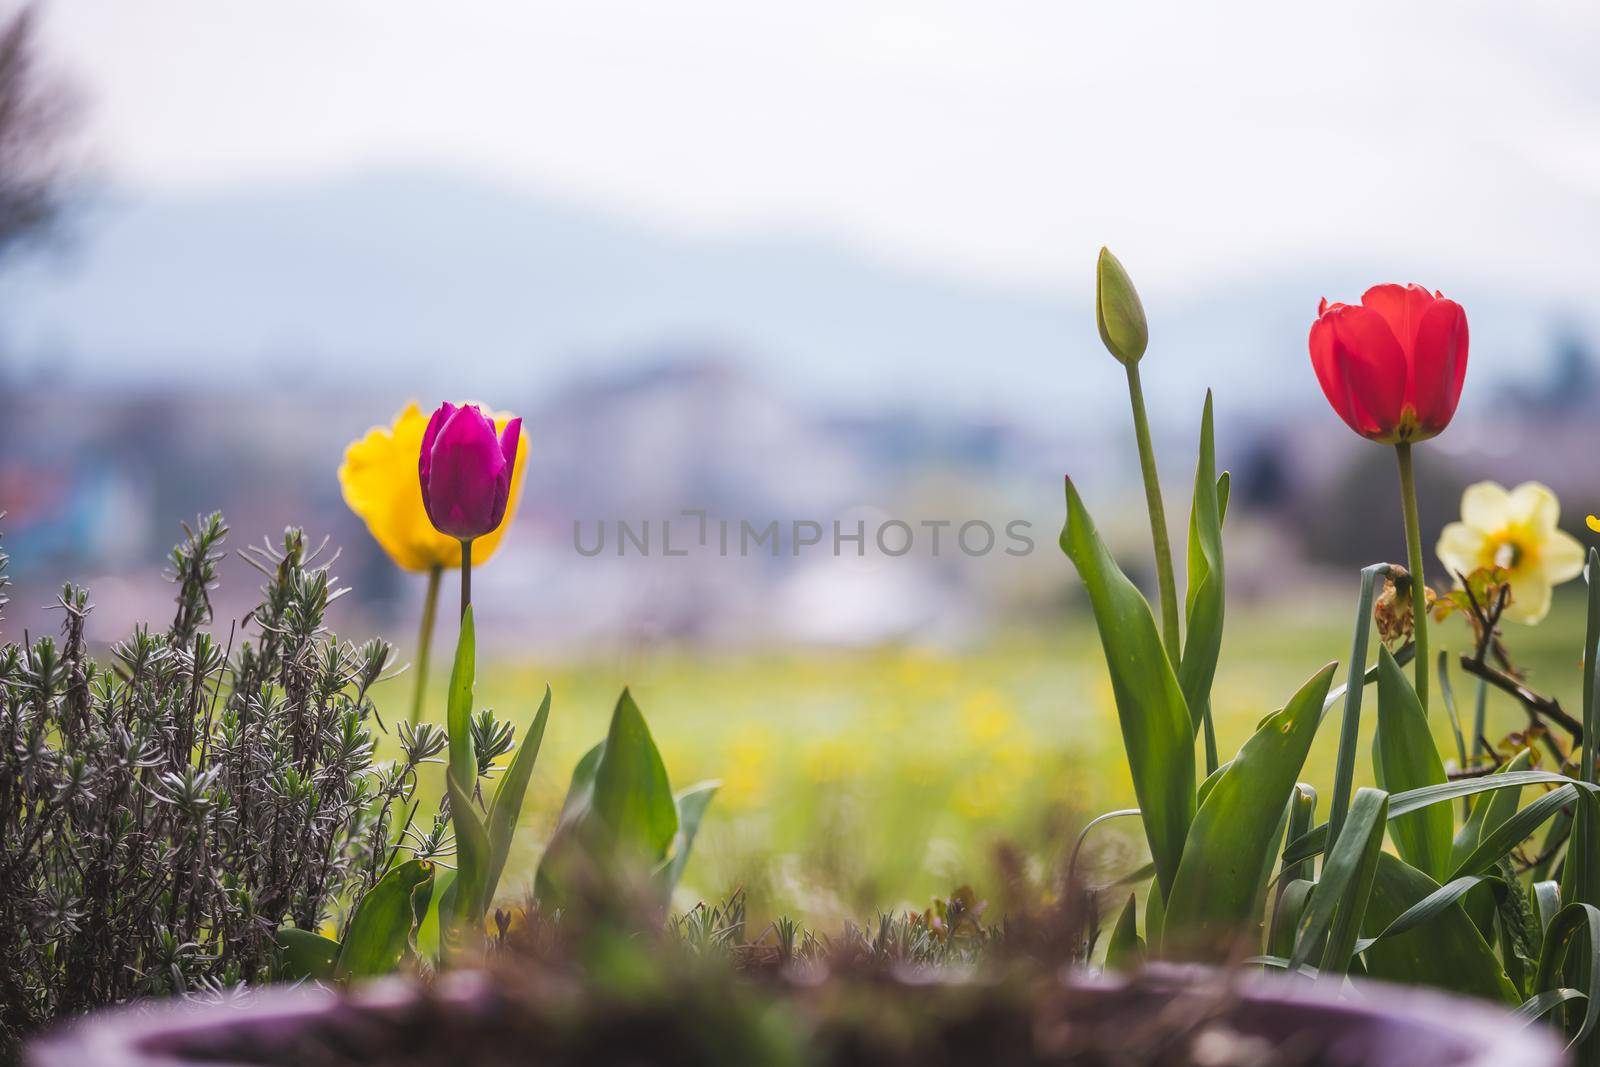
163 813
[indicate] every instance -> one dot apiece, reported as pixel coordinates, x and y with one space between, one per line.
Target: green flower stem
466 575
425 642
1419 596
1158 517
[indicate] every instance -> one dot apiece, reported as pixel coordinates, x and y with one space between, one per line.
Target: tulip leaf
1498 842
307 954
1286 916
1339 901
1125 950
465 901
619 807
1416 799
1404 758
1490 810
458 709
692 804
1447 951
506 808
1204 598
1574 924
1232 841
380 930
1157 732
1344 769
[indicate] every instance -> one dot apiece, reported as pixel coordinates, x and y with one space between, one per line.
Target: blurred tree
36 113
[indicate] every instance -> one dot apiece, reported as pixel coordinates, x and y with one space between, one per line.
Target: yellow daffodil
380 483
1515 530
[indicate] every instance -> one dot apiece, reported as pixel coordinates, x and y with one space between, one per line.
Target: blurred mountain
425 282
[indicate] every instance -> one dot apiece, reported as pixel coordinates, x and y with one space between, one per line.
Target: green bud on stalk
1118 312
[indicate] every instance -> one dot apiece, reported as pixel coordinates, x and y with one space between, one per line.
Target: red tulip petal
1439 365
1402 307
1361 368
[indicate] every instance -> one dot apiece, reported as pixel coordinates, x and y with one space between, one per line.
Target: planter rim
153 1035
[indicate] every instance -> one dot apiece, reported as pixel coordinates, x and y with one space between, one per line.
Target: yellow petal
1594 523
1533 505
1530 597
483 547
1562 557
1461 548
1485 506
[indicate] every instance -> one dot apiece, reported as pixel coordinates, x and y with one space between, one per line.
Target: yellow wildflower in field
746 768
1515 531
380 484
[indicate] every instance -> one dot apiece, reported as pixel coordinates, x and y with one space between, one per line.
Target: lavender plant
164 812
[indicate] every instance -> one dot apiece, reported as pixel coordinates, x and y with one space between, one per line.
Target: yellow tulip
1515 530
380 483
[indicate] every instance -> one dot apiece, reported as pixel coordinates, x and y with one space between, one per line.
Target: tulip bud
1117 310
465 470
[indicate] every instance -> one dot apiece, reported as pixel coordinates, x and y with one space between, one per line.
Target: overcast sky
1451 142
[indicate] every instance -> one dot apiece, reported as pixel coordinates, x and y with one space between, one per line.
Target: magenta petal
466 469
425 458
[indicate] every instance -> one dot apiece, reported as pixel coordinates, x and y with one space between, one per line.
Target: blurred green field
872 779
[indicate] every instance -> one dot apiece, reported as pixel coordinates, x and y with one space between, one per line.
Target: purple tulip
465 469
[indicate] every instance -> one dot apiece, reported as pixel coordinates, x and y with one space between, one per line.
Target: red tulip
465 470
1392 366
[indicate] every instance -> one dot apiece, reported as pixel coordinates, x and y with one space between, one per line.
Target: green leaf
1339 901
1417 799
1344 770
1547 895
458 709
692 804
1489 812
466 900
506 809
1218 891
1572 922
380 930
1447 951
1404 758
1291 908
1538 1005
632 796
1125 950
1433 904
1499 842
1215 776
1302 810
1157 732
619 807
307 954
1204 600
428 939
